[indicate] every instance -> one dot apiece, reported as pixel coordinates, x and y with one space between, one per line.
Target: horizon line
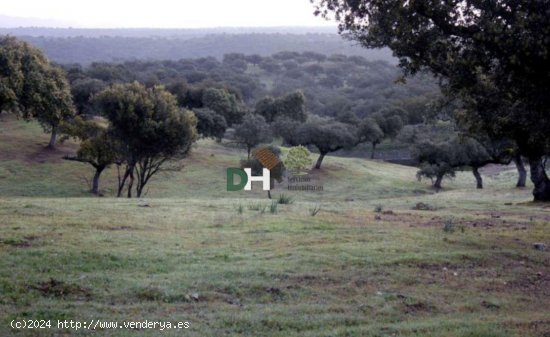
175 28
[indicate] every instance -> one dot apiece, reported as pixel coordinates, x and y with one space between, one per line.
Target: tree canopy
325 135
253 131
31 87
210 124
223 103
291 106
494 56
55 104
150 129
97 145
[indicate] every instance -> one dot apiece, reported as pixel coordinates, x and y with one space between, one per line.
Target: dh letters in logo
246 179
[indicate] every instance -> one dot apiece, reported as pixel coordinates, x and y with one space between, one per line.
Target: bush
285 200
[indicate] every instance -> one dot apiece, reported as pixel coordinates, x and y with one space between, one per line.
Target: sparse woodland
408 197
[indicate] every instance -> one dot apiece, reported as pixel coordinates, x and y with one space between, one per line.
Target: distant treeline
193 44
332 85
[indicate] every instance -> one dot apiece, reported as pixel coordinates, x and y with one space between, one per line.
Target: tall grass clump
273 207
255 206
313 211
240 209
285 200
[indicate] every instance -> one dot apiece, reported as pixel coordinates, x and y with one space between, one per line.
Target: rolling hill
377 253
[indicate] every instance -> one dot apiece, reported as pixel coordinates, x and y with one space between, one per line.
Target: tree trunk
139 187
53 139
269 194
95 181
130 182
249 149
140 181
541 192
320 160
122 181
479 180
373 150
522 179
437 183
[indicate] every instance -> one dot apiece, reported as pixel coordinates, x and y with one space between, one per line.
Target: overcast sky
167 13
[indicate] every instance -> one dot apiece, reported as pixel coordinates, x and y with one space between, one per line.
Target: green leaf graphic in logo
298 160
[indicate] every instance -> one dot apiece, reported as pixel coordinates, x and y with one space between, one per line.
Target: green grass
344 273
230 267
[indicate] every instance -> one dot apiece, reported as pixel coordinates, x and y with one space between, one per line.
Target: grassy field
384 256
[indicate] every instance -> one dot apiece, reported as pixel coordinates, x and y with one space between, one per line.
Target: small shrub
313 211
273 207
285 200
240 209
378 208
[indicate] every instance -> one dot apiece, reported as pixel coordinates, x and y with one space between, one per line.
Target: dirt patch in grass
114 228
494 221
276 293
537 284
25 242
61 289
543 216
540 327
502 220
418 307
